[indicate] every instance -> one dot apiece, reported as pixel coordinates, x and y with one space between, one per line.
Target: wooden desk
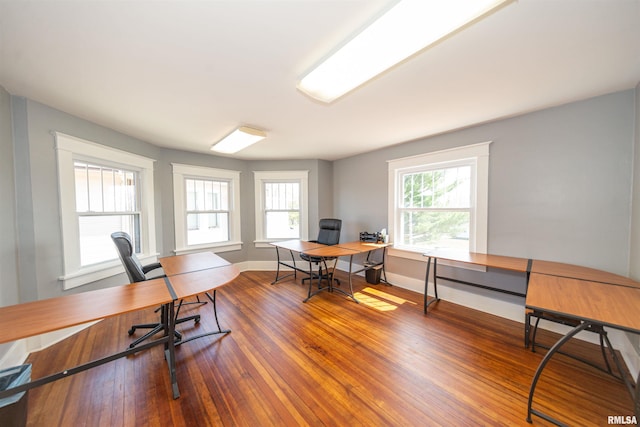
189 263
369 248
521 265
592 298
38 317
297 246
591 303
325 252
578 272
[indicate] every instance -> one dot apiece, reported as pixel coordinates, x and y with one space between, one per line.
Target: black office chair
138 273
329 234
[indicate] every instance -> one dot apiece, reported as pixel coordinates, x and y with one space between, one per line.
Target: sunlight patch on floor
373 302
380 300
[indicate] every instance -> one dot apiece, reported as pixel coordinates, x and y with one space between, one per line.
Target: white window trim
480 191
180 173
69 148
260 177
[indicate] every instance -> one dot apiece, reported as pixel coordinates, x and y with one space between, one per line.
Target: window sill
215 248
418 256
263 244
97 272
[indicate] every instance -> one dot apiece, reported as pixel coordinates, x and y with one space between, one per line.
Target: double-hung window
439 200
102 190
206 208
281 205
107 200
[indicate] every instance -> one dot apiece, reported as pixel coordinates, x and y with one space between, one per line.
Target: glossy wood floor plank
325 362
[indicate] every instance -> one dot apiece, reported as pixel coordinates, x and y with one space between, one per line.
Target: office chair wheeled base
159 327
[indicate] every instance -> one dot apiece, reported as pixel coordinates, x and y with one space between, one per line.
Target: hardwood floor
325 362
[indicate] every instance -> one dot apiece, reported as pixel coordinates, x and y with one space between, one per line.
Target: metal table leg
543 363
215 314
426 284
170 346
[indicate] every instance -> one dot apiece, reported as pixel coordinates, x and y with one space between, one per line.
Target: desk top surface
188 263
42 316
38 317
497 261
605 303
331 251
363 246
297 245
201 281
320 250
578 272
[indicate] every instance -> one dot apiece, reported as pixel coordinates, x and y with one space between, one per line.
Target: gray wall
40 236
9 242
559 183
634 251
634 244
560 188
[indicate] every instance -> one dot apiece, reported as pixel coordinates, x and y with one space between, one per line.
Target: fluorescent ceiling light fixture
408 27
239 139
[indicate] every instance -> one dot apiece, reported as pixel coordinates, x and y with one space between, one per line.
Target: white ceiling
183 74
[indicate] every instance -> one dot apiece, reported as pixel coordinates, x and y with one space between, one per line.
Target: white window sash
70 148
260 178
476 155
182 172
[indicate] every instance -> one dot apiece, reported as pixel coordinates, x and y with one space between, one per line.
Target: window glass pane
223 198
191 194
283 225
282 210
82 187
108 190
208 195
207 228
101 189
454 187
441 188
119 191
294 196
282 196
200 195
129 191
435 229
95 236
203 197
104 189
94 174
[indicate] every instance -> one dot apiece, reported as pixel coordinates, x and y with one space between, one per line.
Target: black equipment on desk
371 237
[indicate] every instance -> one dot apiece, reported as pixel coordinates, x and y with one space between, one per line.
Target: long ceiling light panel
239 139
408 27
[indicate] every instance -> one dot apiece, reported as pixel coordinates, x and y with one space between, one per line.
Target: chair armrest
151 267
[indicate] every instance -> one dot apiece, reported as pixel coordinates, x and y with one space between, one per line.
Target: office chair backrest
128 257
329 233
